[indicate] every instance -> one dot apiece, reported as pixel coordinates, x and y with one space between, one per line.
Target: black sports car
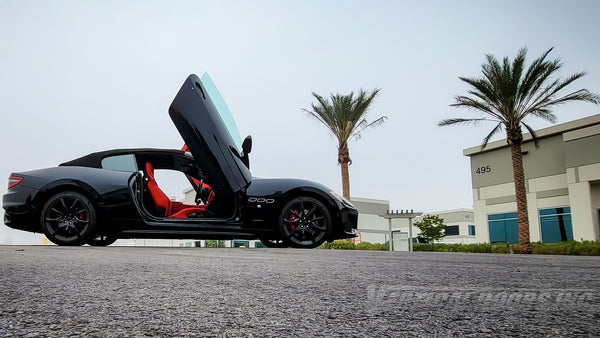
113 194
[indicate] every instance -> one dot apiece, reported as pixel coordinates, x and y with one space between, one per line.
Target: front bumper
350 221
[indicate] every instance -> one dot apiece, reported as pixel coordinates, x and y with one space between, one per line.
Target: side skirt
186 234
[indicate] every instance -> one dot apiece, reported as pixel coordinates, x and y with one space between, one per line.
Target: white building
373 228
562 178
460 226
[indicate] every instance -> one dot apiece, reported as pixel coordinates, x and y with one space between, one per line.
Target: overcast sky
84 76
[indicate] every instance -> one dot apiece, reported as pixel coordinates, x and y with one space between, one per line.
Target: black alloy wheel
68 218
304 222
101 240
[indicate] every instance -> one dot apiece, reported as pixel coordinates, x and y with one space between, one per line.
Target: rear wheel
102 240
304 222
68 218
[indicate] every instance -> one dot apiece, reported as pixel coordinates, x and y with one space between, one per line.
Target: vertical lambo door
205 124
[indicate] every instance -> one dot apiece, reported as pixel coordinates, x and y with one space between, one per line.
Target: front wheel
304 222
68 218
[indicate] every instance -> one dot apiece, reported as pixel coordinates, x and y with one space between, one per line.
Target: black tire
304 222
68 218
273 243
101 240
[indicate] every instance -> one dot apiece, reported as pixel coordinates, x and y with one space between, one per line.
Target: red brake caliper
292 217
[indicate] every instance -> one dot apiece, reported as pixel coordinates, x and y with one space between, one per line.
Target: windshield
224 112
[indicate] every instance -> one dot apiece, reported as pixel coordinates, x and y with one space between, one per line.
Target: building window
503 228
556 224
452 230
471 230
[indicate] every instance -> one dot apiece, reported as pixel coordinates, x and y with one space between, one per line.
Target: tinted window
120 163
452 230
503 228
556 224
224 112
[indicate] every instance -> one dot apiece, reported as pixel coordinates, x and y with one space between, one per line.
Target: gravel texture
49 291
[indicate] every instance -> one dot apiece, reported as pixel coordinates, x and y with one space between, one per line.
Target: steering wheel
202 193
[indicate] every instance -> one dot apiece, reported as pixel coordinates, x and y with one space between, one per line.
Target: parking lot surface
49 291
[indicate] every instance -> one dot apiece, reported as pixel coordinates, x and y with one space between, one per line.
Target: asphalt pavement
49 291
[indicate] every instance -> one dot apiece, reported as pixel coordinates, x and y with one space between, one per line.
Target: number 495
484 170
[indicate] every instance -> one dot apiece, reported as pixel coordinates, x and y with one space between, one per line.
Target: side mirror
247 148
247 145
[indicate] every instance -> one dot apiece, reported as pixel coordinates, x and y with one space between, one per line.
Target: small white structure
460 226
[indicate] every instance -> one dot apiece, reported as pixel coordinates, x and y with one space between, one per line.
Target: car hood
203 120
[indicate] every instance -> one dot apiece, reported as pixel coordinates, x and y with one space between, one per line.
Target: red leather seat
172 208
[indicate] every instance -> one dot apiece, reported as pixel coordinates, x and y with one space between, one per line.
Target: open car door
204 122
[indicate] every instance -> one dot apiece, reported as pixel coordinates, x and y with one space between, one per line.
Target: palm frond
380 121
548 100
508 94
580 95
537 73
460 121
533 135
545 114
468 102
344 115
484 89
494 131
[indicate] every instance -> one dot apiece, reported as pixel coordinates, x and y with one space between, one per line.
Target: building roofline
545 132
448 211
368 200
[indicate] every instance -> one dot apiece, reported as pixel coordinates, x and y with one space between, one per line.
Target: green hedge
473 248
214 244
372 246
585 248
344 245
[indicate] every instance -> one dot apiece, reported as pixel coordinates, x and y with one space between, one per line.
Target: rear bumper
19 211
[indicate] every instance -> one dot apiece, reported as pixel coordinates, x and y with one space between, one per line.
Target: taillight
14 180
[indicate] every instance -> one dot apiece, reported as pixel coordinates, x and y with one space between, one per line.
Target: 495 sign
484 170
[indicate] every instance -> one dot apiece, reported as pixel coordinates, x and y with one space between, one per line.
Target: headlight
341 199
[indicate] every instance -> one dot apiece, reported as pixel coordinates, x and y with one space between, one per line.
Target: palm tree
507 95
345 116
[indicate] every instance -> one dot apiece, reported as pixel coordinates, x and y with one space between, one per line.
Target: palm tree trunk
344 160
524 245
345 180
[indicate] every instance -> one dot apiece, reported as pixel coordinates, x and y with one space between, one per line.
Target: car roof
94 160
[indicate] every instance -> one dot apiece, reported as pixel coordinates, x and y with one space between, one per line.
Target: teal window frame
503 227
556 224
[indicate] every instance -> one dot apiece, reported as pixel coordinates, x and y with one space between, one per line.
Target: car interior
157 202
167 208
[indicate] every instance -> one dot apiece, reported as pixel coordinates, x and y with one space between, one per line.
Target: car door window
120 163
